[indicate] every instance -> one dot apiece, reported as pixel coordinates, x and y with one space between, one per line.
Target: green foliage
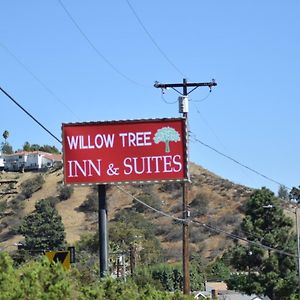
46 281
35 147
131 228
283 193
265 272
148 199
26 147
3 206
295 194
137 220
169 277
5 135
6 148
199 205
217 271
43 229
91 203
65 192
126 236
29 186
33 280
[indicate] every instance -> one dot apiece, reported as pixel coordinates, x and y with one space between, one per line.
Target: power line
153 40
236 237
150 207
87 39
211 228
239 163
37 79
201 100
29 114
164 99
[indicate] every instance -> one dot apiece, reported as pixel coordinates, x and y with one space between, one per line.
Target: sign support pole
185 198
103 232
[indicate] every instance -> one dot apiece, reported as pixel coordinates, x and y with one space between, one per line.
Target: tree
43 229
295 194
65 192
32 185
265 271
5 135
7 148
166 135
283 192
27 147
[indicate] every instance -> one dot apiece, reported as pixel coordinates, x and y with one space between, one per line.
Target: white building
1 162
30 160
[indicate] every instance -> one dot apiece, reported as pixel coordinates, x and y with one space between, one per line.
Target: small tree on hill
166 135
43 229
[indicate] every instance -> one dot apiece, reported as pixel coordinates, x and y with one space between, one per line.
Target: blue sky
251 48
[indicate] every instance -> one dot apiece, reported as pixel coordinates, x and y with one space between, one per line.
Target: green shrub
32 185
65 192
148 199
91 203
199 205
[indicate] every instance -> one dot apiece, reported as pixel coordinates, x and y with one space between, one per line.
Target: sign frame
182 121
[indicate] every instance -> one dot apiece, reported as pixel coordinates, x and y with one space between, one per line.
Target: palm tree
5 135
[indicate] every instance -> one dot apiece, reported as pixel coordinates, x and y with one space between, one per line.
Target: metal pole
103 235
185 226
298 248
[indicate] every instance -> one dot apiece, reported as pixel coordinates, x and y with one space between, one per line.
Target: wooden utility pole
185 186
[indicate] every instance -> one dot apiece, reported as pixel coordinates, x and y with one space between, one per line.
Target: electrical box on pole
183 102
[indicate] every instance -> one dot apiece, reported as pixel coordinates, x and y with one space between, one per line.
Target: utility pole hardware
183 108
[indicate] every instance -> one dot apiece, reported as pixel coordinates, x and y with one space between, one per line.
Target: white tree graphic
166 135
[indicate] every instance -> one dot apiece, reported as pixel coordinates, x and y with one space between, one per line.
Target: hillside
213 201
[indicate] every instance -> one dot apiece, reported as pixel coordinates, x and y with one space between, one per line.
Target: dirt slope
221 208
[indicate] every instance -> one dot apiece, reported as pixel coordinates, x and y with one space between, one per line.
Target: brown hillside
213 201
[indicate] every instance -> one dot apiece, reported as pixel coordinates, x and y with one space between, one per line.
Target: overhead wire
153 40
236 237
29 114
149 206
164 99
92 45
239 163
27 69
201 100
209 227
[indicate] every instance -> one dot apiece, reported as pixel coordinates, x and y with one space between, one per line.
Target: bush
30 186
3 206
43 280
199 205
148 199
169 187
169 277
65 192
91 204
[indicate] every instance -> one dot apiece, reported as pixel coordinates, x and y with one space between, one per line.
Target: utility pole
183 108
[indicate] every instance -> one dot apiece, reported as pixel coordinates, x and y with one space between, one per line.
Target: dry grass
224 198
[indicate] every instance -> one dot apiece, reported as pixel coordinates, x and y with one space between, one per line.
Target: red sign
125 151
